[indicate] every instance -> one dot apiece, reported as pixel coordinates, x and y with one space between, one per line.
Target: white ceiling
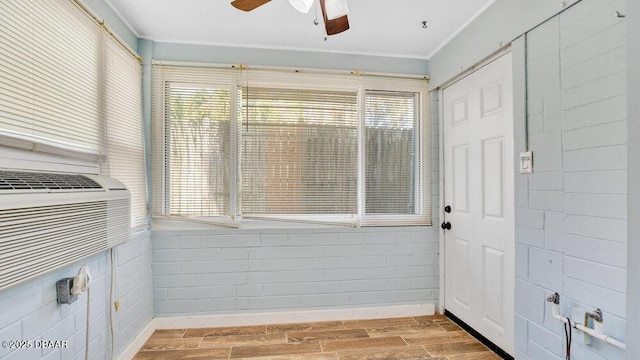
378 27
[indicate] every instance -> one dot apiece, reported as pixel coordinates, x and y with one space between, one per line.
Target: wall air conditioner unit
50 220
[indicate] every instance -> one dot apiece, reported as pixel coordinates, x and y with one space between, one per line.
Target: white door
478 187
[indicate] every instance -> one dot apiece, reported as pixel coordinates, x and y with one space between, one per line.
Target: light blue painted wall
30 310
113 21
287 58
572 218
633 131
571 213
501 23
202 272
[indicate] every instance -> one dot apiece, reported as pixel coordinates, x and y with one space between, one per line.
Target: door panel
460 178
492 175
459 111
491 98
462 286
494 269
478 185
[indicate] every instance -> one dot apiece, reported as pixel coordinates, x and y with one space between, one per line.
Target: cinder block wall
571 213
633 144
30 311
250 271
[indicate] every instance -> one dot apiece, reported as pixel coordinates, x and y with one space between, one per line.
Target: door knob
447 209
446 225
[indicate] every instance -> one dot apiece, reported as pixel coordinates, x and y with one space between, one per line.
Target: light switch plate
526 162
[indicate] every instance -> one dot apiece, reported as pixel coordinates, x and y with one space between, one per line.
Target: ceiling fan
334 12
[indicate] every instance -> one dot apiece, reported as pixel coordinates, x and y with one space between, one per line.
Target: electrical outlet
63 288
116 305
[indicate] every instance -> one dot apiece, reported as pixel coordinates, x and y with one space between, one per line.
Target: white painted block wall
571 213
30 311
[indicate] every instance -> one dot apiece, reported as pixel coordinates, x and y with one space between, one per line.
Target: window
299 152
123 119
68 87
390 147
199 150
328 148
50 90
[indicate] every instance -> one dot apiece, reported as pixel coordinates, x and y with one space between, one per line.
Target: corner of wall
103 9
633 135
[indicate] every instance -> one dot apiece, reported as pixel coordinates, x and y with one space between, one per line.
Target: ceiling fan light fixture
301 5
336 8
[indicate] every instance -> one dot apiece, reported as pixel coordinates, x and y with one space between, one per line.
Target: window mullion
235 153
417 149
166 188
423 202
361 151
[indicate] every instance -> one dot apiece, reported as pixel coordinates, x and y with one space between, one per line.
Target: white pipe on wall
597 332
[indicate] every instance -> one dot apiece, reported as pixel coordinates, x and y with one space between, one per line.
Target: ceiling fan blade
336 8
334 26
248 5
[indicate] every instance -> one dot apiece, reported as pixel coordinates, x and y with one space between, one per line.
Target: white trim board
137 343
441 199
226 320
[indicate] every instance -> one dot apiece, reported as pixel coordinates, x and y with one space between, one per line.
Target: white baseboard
138 342
224 320
285 317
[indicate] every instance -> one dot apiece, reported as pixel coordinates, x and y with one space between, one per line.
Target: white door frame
486 61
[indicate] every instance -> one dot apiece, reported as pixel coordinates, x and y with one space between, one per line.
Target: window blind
391 157
299 151
125 139
67 84
197 128
192 141
49 88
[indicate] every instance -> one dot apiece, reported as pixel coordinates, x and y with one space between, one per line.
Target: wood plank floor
423 337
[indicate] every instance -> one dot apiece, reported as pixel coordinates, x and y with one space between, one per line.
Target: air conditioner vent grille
19 180
39 239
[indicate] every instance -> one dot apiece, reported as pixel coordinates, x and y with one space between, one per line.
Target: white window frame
231 77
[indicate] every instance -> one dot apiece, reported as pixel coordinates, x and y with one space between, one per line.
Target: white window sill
259 223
